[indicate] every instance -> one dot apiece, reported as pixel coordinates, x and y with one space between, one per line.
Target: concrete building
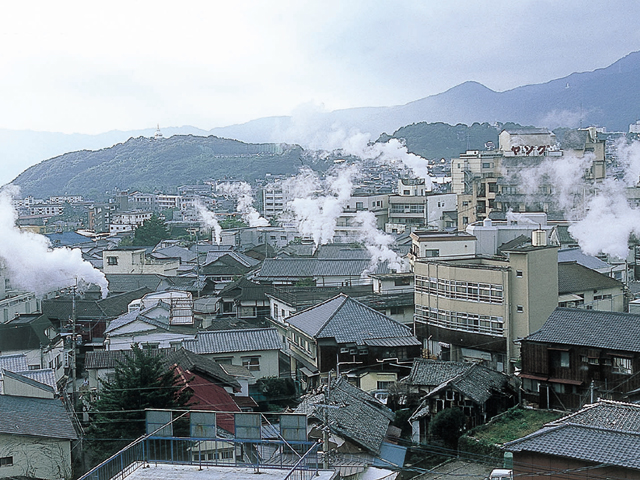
474 309
431 244
490 181
133 260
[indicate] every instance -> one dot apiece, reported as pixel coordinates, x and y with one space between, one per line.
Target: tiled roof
244 289
474 381
580 442
590 328
342 251
573 277
121 282
14 363
348 320
37 417
184 254
431 373
42 375
111 358
360 417
17 335
315 267
197 363
606 414
229 341
576 255
29 381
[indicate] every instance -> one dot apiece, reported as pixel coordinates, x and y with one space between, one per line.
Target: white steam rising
32 264
317 204
378 244
241 191
601 215
209 220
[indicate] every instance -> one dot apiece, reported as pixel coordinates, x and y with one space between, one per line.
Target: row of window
407 208
468 322
475 292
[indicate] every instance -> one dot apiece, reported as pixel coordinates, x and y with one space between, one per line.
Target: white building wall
36 457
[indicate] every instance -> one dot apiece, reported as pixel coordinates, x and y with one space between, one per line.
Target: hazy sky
89 67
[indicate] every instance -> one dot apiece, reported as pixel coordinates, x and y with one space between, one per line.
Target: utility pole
325 433
74 373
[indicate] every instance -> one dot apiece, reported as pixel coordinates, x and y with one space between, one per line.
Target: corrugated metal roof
37 417
590 328
229 341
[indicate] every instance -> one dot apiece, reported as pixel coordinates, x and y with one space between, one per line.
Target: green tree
447 424
118 415
151 232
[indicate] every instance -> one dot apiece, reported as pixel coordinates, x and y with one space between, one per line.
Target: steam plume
209 220
316 205
241 191
377 244
32 264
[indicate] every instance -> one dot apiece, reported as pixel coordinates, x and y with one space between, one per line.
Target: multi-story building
476 308
489 181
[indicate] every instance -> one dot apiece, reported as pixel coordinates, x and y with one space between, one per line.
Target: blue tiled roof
229 341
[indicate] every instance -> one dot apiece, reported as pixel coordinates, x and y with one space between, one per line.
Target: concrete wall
36 457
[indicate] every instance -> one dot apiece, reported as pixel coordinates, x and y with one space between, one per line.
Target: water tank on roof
487 222
539 238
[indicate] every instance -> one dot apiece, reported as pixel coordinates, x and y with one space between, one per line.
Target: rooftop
590 328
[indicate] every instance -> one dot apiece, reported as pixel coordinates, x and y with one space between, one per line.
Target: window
486 165
6 461
401 282
433 252
397 311
252 363
519 273
564 359
34 367
622 365
520 309
384 385
112 260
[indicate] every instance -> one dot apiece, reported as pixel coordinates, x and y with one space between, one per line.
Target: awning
565 381
308 373
569 297
533 377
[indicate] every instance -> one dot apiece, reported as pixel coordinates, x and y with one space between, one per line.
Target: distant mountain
160 164
608 97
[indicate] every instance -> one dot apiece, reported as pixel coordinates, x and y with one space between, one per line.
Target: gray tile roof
274 268
606 414
37 417
43 375
111 358
576 255
120 282
431 373
348 321
229 341
14 363
29 381
590 328
591 444
360 417
474 381
198 364
573 277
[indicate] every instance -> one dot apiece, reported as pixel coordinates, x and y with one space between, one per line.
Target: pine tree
141 381
151 232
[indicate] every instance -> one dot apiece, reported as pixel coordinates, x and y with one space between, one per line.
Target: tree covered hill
163 164
440 140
